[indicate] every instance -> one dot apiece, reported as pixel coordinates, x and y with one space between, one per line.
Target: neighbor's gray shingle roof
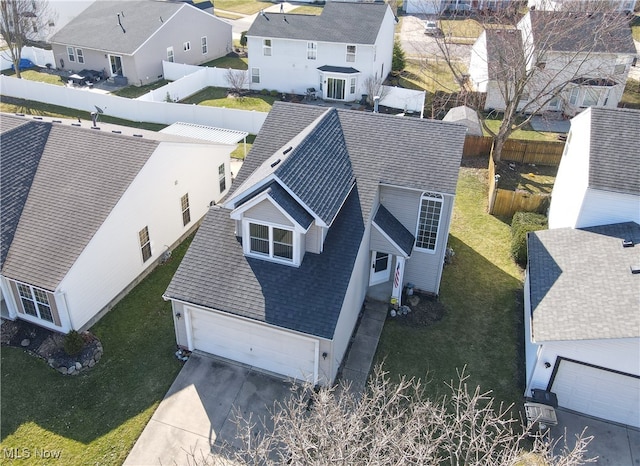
581 285
419 154
614 160
352 23
394 229
563 31
22 146
97 27
81 176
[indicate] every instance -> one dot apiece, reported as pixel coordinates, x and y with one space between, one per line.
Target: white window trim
222 177
35 302
267 49
71 54
246 242
434 197
204 45
186 46
80 55
348 54
312 50
170 55
255 75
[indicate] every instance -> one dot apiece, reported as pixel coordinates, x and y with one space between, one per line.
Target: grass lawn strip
481 328
96 417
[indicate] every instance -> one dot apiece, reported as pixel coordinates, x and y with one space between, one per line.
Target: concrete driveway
612 444
196 413
417 44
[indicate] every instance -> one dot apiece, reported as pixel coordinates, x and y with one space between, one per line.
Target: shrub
521 224
274 93
264 92
73 343
398 62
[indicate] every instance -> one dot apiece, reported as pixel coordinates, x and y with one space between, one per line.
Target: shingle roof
581 283
563 31
22 145
82 174
504 54
614 158
214 273
97 26
353 23
419 154
338 69
394 230
290 205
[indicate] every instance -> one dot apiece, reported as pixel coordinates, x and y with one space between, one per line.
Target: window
255 75
266 47
619 68
429 221
184 205
573 95
524 97
186 46
203 45
591 97
312 50
170 54
352 86
145 244
271 241
35 302
351 53
222 178
71 54
80 55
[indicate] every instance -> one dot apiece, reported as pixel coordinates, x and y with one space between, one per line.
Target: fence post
493 182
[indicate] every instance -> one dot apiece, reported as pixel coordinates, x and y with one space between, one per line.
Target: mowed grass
524 133
308 10
96 417
235 63
245 7
431 76
631 95
31 107
217 97
37 75
481 289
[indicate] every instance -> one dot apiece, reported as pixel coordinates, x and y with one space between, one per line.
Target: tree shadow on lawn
135 372
482 329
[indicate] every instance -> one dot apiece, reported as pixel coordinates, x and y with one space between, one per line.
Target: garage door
254 344
597 392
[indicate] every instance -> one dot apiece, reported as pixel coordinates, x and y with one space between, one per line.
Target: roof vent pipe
376 101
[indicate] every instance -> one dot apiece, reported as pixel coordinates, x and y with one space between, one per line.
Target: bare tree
390 424
23 22
542 61
374 88
237 80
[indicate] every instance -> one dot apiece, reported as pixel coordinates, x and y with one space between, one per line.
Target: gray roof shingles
394 229
97 27
563 31
290 205
81 176
615 150
351 23
581 285
420 154
22 146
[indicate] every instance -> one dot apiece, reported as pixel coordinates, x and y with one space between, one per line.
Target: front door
380 268
335 88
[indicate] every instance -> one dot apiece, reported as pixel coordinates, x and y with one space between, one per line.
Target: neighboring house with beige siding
326 210
131 39
87 213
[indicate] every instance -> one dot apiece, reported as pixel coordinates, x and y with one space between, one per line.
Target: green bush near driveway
96 417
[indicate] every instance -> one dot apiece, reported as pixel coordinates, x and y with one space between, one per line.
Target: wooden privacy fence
516 150
505 202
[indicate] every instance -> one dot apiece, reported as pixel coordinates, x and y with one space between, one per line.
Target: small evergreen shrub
521 224
73 343
274 93
264 92
398 62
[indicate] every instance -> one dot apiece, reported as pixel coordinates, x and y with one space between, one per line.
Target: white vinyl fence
135 110
38 56
407 100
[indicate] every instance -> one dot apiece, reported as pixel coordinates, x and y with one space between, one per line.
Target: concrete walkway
612 444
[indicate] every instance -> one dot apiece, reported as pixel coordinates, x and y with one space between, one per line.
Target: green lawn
461 28
132 92
631 96
482 327
238 153
431 76
217 97
30 107
308 10
235 63
246 7
37 75
525 133
96 417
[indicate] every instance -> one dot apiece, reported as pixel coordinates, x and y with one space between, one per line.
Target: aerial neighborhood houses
623 6
556 60
85 214
129 40
335 53
582 325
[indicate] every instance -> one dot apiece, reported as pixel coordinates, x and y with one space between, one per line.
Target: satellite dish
98 109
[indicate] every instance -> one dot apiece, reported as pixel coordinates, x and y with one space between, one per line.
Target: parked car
24 64
431 28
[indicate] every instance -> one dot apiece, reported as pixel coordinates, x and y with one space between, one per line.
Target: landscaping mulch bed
49 345
422 310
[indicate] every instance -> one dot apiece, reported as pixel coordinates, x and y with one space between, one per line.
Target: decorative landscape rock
25 342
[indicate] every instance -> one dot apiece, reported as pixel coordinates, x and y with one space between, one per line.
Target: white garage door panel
598 393
249 343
